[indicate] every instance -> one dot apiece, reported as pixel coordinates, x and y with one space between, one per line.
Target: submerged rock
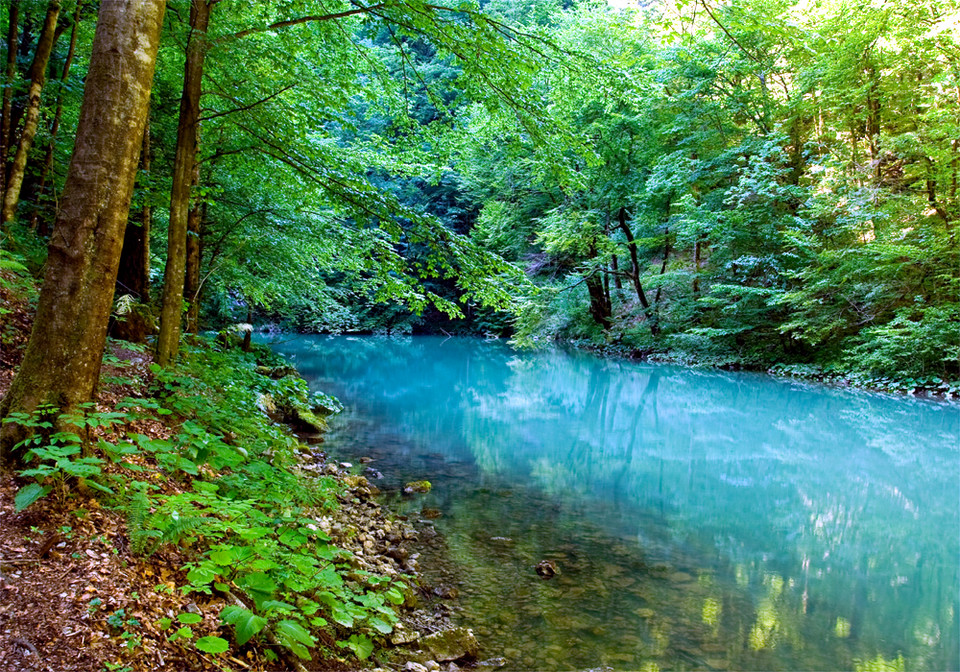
547 569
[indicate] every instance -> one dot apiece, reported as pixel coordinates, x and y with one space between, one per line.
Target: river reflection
700 520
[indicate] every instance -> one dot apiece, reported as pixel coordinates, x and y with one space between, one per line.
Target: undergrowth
225 490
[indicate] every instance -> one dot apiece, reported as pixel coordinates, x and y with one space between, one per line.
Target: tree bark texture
31 118
133 277
61 364
13 15
168 341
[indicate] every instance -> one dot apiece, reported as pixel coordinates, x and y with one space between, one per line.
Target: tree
38 78
495 59
168 341
61 364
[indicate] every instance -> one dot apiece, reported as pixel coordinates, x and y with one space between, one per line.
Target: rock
354 481
446 592
431 514
277 372
135 325
267 404
398 553
414 667
401 635
432 665
547 569
304 419
417 486
452 644
490 664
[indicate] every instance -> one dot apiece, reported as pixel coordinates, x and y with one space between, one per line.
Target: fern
177 528
137 512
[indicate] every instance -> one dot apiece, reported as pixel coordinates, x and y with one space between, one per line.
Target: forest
768 185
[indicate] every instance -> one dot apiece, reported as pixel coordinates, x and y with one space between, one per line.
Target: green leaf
394 595
189 619
278 605
361 646
246 624
202 574
294 631
258 586
213 644
186 632
28 494
224 557
380 626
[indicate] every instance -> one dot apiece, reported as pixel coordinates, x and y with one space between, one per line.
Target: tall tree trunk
168 341
600 308
615 269
133 276
191 281
38 77
698 262
55 126
61 364
10 75
663 264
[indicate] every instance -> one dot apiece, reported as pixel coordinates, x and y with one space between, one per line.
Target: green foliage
768 178
248 520
28 494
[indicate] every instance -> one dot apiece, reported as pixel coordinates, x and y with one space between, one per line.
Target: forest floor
74 598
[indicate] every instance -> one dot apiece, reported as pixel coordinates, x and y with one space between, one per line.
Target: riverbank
185 527
933 387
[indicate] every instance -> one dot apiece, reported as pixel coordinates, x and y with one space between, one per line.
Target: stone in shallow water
452 644
547 569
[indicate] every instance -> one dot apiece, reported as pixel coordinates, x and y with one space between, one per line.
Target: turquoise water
700 520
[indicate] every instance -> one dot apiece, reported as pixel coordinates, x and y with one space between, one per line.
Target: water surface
700 520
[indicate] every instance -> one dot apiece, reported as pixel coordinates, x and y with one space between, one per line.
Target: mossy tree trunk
61 364
168 341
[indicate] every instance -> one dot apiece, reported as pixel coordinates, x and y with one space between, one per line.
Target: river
699 520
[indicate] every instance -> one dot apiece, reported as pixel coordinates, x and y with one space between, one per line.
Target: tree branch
248 106
303 19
